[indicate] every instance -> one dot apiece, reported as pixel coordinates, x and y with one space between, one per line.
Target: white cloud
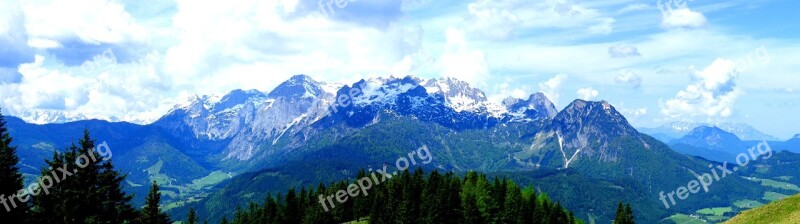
273 37
682 18
492 19
604 26
633 115
552 87
621 51
50 89
712 95
461 62
132 92
634 7
12 34
43 43
629 77
499 19
510 88
91 21
638 112
587 93
10 18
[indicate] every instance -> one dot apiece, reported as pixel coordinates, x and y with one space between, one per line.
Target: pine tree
629 214
432 205
270 209
85 189
55 205
453 208
513 204
191 218
302 203
11 179
115 206
472 215
151 214
624 214
530 208
292 208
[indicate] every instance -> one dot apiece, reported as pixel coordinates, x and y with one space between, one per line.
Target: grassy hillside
783 211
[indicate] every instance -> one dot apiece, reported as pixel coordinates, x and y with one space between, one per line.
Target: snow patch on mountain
381 91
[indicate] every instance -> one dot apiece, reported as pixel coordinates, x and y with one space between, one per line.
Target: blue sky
658 62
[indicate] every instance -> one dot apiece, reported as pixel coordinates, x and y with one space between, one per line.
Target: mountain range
676 130
214 152
716 144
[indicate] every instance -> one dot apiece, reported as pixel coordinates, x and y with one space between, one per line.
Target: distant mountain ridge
676 130
712 138
711 143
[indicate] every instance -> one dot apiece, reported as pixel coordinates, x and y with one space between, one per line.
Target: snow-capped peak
299 86
382 91
537 106
207 101
460 96
682 126
54 116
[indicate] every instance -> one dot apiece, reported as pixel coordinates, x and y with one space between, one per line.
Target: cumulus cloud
552 87
634 7
132 92
13 50
90 21
499 19
510 88
587 93
712 94
274 36
461 62
682 18
635 112
621 51
604 26
629 77
633 115
492 19
8 76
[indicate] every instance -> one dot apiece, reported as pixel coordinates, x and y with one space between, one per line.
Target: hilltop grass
748 204
776 184
774 196
715 211
685 219
786 211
